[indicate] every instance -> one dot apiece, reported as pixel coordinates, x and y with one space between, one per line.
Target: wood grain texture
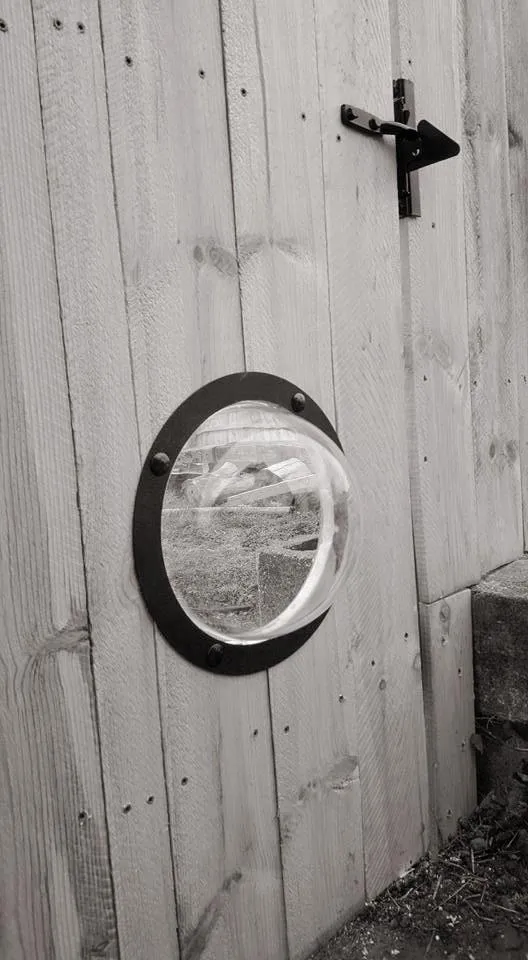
317 763
175 210
362 222
279 193
426 50
489 263
515 35
270 54
274 116
74 115
449 705
55 884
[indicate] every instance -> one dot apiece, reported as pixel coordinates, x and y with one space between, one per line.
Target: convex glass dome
259 523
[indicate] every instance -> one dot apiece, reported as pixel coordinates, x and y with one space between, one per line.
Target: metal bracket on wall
416 147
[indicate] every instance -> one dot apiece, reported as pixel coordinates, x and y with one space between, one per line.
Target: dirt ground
470 901
211 556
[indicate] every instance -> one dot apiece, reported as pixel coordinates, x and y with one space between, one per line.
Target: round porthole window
245 523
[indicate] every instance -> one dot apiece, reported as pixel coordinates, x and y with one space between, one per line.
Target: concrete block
281 574
504 748
500 641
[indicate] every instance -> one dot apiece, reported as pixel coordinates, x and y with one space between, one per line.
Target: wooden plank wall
462 338
53 833
491 318
426 49
196 208
284 244
169 139
362 245
272 86
448 676
96 336
515 36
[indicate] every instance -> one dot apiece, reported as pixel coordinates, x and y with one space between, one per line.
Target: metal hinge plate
408 181
417 145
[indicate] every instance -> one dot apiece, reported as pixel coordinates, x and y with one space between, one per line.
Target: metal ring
164 607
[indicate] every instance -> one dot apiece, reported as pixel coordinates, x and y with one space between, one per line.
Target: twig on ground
410 890
506 909
395 902
430 943
461 887
478 915
508 845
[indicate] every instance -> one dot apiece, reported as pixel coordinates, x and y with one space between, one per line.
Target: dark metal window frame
220 656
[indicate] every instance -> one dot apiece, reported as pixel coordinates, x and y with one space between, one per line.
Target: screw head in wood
298 402
215 654
159 464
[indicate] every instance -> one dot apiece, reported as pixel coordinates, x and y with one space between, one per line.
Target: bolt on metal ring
298 402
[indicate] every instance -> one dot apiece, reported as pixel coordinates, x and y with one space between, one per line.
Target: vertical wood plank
515 34
492 330
448 680
274 115
426 50
53 835
271 55
74 115
175 210
362 225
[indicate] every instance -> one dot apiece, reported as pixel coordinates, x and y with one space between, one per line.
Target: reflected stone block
281 572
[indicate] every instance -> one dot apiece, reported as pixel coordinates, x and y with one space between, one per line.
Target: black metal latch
416 147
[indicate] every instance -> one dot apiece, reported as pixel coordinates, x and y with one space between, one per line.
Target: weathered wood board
449 710
515 35
55 880
280 216
179 200
364 283
272 83
175 211
426 50
489 266
96 336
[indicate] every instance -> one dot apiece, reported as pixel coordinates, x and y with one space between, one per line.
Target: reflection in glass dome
258 523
